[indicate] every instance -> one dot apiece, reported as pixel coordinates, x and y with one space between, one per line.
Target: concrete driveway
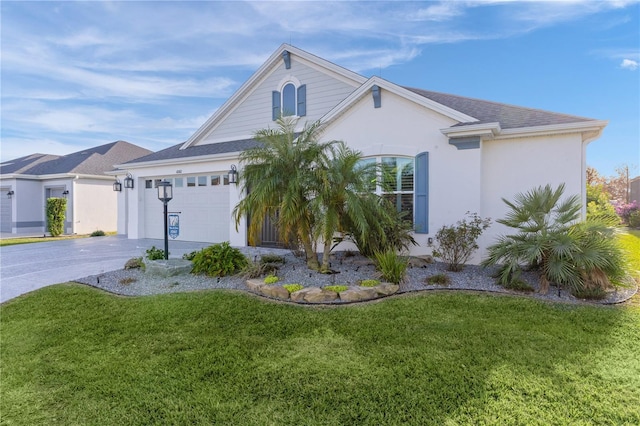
28 267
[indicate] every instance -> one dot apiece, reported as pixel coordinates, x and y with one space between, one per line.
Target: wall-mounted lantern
9 194
233 174
117 186
65 193
128 181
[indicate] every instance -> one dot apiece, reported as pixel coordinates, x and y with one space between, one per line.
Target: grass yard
29 240
74 355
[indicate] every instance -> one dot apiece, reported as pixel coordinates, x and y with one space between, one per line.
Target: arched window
291 101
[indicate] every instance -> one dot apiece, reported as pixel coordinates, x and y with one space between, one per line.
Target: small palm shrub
438 279
577 255
518 284
391 266
336 288
97 233
219 260
271 279
155 253
456 243
368 283
292 288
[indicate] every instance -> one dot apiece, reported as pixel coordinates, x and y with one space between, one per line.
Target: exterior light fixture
117 186
9 194
128 181
233 174
165 194
65 193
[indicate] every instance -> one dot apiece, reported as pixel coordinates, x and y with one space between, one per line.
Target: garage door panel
204 213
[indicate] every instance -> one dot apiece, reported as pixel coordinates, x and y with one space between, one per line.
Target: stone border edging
317 295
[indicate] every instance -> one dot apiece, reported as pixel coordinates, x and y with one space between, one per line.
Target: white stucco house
453 154
27 182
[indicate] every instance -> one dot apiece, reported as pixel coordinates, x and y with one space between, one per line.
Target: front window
289 100
395 182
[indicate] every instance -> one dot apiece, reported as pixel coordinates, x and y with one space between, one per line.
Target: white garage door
5 211
203 210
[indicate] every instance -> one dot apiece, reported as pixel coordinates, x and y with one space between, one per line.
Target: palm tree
344 198
279 180
549 236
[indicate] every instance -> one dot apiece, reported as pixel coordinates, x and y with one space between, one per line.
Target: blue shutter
421 217
302 100
275 105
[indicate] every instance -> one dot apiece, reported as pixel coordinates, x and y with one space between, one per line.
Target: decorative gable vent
377 98
286 56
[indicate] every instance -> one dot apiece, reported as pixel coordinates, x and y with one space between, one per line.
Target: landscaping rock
254 285
314 295
385 289
272 290
420 261
168 268
356 294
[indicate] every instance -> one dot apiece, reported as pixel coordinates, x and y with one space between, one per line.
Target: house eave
591 130
173 161
482 130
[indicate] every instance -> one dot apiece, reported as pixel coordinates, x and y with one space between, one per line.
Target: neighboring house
453 154
27 182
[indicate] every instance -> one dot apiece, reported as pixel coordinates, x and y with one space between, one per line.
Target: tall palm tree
279 179
344 198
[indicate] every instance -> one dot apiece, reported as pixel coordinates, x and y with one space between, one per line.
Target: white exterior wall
95 206
511 166
254 112
402 128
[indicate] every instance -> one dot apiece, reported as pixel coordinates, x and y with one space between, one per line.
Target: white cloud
629 64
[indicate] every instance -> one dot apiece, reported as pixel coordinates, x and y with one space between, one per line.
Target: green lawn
631 242
74 355
28 240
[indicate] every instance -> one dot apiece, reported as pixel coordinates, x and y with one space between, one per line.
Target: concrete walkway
28 267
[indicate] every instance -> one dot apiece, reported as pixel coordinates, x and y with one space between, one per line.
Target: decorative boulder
385 289
315 295
275 291
254 285
356 294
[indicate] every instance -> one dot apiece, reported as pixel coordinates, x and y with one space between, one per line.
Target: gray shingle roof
198 150
509 116
92 161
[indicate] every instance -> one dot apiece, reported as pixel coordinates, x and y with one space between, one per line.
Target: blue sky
82 74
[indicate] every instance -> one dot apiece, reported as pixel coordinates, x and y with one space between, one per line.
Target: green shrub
134 263
336 288
634 219
292 288
519 285
97 233
547 236
218 260
439 279
271 258
391 266
190 256
257 269
456 243
155 253
369 283
56 211
271 279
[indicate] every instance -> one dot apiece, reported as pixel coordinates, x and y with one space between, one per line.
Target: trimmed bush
219 260
438 279
97 233
456 243
155 253
56 212
271 258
